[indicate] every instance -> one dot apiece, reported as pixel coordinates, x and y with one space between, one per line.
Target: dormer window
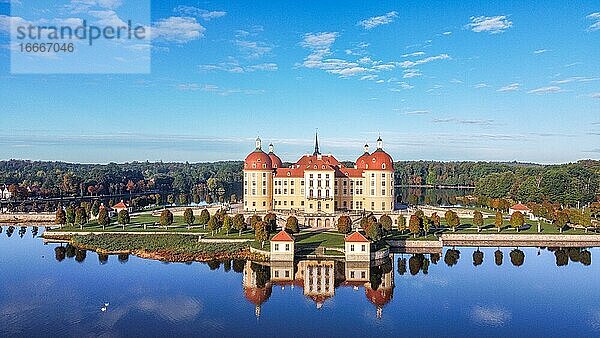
383 166
366 166
264 166
323 167
288 173
316 166
253 165
373 160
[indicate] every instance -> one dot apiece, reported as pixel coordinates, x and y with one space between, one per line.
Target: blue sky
498 81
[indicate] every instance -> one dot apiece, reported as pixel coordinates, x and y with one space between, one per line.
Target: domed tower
258 180
275 160
379 178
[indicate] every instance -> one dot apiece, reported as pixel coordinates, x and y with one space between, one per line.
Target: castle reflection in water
319 279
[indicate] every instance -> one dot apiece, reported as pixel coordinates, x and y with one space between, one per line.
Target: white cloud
320 46
576 79
481 85
234 67
417 112
82 5
408 64
596 18
546 90
410 73
540 51
378 20
198 12
177 29
491 24
253 49
211 88
447 33
510 88
369 77
492 315
413 54
595 95
108 18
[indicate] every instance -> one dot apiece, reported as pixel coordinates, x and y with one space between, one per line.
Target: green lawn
314 239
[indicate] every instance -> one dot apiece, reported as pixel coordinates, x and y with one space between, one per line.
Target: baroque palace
319 184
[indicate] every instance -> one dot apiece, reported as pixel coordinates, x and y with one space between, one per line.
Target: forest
568 184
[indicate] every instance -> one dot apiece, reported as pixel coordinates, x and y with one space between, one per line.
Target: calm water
44 292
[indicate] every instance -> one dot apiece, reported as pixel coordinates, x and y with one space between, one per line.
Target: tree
291 225
261 232
254 220
81 216
271 220
227 224
60 217
517 257
452 219
414 225
166 218
478 220
344 224
188 217
561 219
70 214
204 217
498 257
373 231
95 208
214 224
239 224
498 221
435 220
452 256
103 218
123 218
401 223
517 220
386 223
477 257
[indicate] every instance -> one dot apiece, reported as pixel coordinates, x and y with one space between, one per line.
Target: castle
319 184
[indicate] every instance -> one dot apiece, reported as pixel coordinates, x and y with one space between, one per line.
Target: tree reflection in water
238 265
10 231
80 255
575 255
498 255
59 253
22 231
517 257
123 258
451 257
34 231
477 257
401 266
102 258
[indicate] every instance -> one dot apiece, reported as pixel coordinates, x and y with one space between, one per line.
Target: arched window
383 166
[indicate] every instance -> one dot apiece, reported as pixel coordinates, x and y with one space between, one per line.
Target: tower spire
317 152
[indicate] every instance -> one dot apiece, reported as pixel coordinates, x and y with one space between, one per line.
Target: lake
45 291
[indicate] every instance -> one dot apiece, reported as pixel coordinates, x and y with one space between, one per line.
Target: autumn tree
498 255
271 220
261 232
478 220
452 219
123 218
414 225
60 218
517 220
204 217
81 216
344 224
517 257
386 223
435 220
239 224
254 220
227 224
103 217
95 208
188 217
498 221
373 231
213 224
70 214
401 223
166 218
561 219
291 225
477 257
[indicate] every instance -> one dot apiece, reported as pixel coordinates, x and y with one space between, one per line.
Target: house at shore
357 247
4 193
522 208
282 247
121 206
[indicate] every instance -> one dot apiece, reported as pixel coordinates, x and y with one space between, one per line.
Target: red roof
379 297
258 160
282 236
275 160
378 160
521 207
257 295
120 205
356 237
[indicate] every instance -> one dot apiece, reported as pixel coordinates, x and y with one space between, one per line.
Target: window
276 273
363 248
352 274
382 205
287 247
287 273
363 274
253 204
372 205
292 203
351 247
301 203
276 247
264 204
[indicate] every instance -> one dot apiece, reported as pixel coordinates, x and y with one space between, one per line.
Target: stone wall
556 240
